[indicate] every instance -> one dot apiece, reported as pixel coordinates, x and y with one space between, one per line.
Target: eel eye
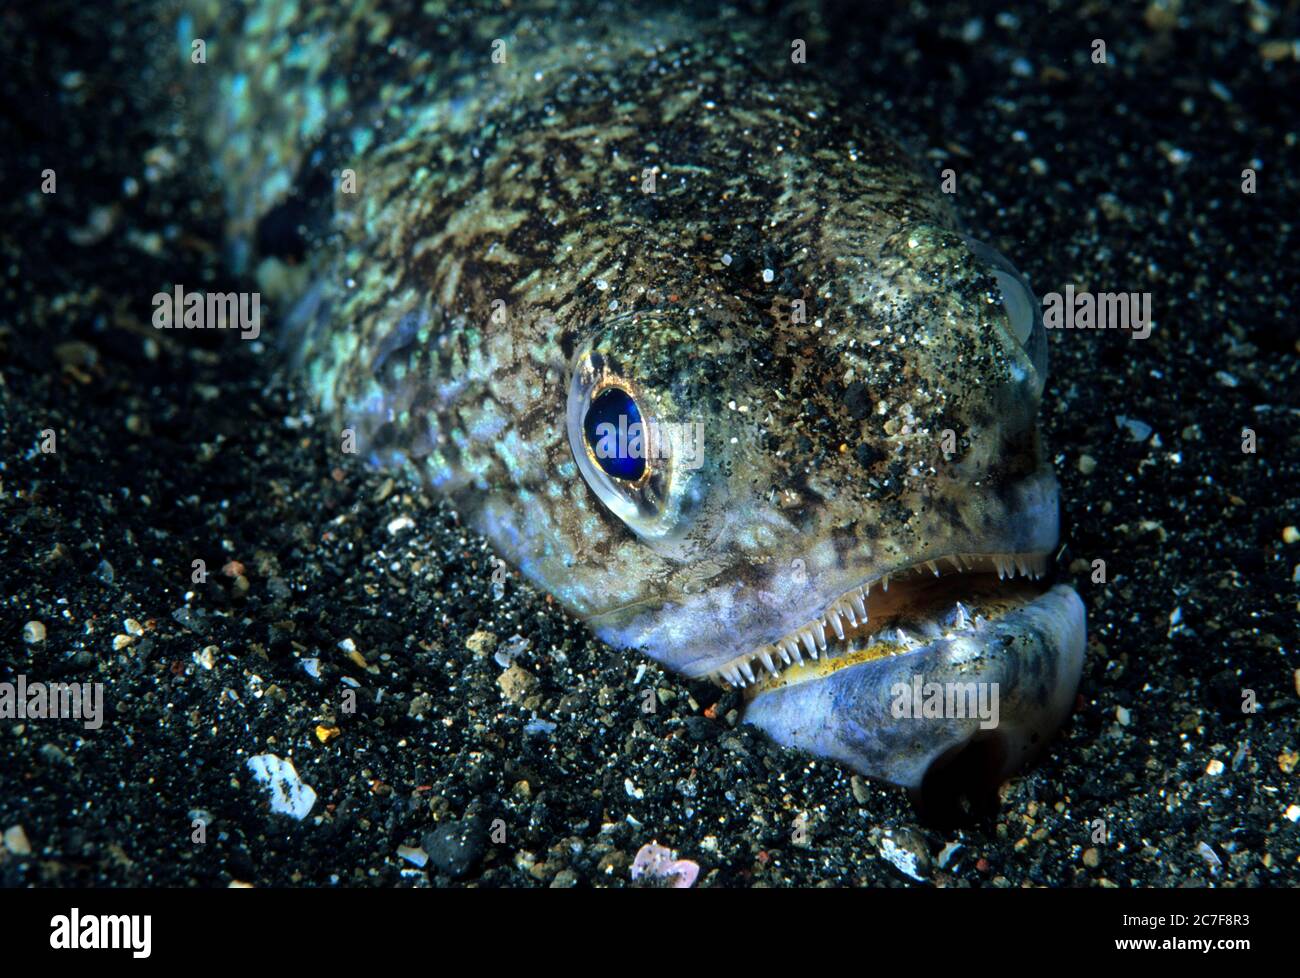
615 435
1023 311
643 464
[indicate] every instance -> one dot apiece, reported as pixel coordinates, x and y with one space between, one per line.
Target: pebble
516 683
861 793
34 633
398 525
534 728
481 643
1214 768
1137 430
906 851
1290 535
455 847
1091 858
16 841
1087 464
947 852
414 856
289 796
1211 858
515 646
655 865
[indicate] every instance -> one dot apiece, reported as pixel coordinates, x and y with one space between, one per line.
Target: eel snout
950 683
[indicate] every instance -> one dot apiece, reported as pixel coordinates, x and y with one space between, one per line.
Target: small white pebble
768 275
34 633
401 523
1214 768
16 841
417 857
726 259
1292 813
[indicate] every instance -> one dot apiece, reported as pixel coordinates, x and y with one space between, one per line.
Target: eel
684 332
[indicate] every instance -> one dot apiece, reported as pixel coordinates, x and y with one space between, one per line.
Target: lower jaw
901 706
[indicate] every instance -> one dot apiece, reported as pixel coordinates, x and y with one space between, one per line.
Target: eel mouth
892 615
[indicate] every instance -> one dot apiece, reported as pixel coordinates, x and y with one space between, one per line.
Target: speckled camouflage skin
678 202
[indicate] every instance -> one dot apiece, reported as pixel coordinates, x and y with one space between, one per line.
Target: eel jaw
964 660
869 615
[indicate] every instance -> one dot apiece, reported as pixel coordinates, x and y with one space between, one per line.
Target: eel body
685 333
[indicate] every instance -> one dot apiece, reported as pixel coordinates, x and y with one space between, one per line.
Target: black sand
173 447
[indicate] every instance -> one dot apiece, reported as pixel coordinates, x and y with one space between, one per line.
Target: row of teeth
812 638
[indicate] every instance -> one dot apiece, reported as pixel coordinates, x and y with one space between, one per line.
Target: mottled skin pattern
501 235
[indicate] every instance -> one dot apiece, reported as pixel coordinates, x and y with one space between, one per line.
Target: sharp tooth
793 648
836 624
956 563
979 623
747 671
808 643
1021 567
962 616
768 664
819 632
884 582
933 569
859 607
785 656
848 613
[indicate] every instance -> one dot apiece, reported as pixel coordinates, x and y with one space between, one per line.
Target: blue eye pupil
615 434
